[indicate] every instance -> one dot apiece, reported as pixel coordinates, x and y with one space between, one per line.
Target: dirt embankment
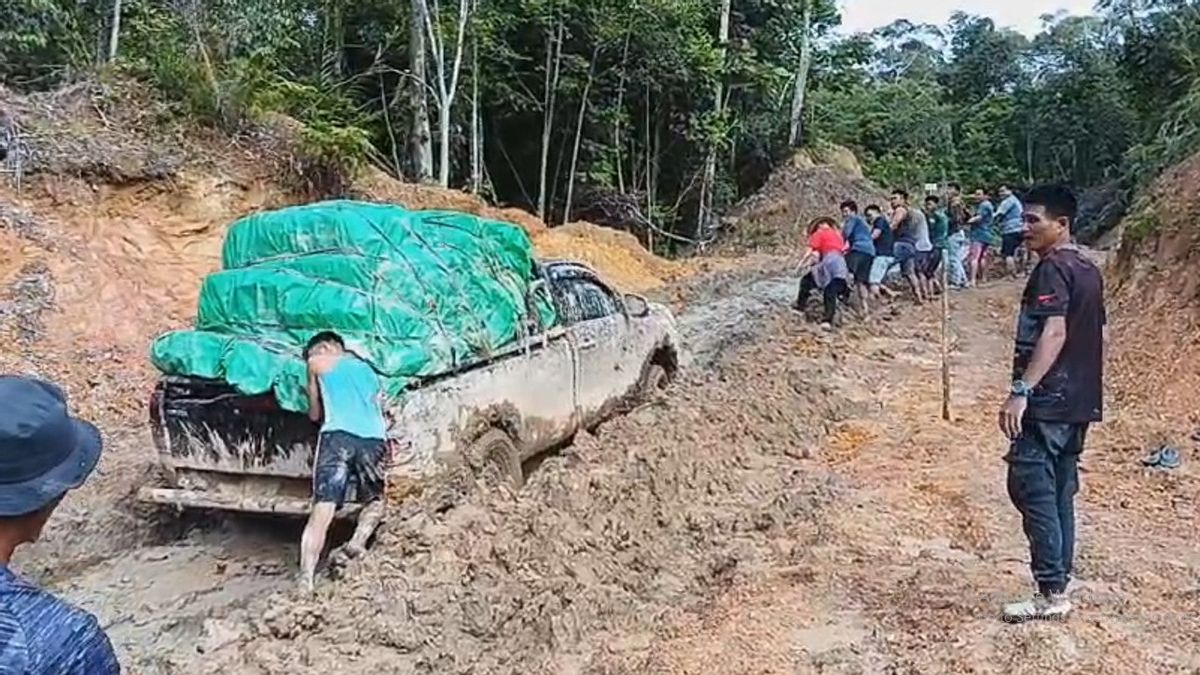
810 185
117 215
1154 305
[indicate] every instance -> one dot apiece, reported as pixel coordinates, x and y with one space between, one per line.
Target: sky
1024 15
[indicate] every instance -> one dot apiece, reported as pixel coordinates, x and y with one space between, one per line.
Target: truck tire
500 459
653 381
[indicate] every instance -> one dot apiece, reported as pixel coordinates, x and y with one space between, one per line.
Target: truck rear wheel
501 461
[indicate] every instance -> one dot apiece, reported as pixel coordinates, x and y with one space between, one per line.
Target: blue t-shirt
350 398
884 242
981 231
1009 215
857 234
42 635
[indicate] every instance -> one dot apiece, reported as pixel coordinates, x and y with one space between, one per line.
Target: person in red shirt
825 238
830 273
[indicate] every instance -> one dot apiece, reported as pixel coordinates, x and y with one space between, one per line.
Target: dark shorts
906 255
860 266
344 461
932 262
1009 244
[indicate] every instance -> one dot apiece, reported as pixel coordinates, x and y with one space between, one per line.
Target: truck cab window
588 301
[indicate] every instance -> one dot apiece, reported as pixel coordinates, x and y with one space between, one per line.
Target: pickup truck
227 451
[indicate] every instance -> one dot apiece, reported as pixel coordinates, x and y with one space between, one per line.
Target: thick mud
793 504
658 511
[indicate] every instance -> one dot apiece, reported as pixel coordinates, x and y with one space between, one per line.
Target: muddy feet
306 584
347 552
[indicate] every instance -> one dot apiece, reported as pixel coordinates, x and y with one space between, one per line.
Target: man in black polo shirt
1056 393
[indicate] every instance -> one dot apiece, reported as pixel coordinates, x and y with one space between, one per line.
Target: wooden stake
946 334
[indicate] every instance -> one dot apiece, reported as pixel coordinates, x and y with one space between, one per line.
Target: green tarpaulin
416 293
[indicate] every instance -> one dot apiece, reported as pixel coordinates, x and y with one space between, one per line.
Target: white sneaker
1054 607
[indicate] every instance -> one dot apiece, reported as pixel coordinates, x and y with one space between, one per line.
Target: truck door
598 327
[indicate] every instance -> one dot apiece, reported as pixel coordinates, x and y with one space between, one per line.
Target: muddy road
794 504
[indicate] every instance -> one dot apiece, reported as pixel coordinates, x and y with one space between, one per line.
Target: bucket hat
44 452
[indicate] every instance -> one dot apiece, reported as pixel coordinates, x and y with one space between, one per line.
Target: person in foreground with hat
44 453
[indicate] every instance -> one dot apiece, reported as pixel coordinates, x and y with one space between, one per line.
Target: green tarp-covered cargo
416 293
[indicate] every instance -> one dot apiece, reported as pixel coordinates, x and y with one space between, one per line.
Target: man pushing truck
345 398
333 327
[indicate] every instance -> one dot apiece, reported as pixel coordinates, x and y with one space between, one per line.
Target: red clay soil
773 220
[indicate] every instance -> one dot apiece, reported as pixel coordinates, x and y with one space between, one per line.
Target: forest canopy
673 108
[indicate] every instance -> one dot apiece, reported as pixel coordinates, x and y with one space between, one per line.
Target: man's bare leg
312 543
915 283
864 298
368 521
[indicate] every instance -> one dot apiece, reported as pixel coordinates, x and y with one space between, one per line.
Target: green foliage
1141 223
897 129
43 41
984 148
1116 94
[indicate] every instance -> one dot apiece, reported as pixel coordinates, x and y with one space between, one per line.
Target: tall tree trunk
583 104
476 123
386 105
652 149
704 220
1029 154
795 133
553 69
560 157
444 119
114 37
447 77
617 119
420 141
339 40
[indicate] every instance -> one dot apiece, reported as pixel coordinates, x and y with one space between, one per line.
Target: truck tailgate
206 425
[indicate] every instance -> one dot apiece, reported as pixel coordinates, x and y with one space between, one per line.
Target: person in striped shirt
44 453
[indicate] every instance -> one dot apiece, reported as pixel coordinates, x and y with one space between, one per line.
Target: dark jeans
1043 477
837 288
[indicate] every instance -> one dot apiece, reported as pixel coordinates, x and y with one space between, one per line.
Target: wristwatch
1019 388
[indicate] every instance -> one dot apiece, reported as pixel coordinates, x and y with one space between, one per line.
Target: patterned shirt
42 635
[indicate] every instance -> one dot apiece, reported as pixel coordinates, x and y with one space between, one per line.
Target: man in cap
44 452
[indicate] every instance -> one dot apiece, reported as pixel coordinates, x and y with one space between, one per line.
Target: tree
420 139
554 44
681 106
984 60
115 36
447 62
904 50
802 67
705 219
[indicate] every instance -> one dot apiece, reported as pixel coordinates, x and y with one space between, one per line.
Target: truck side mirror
636 305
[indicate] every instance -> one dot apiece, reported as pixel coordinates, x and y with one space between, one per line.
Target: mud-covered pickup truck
224 450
